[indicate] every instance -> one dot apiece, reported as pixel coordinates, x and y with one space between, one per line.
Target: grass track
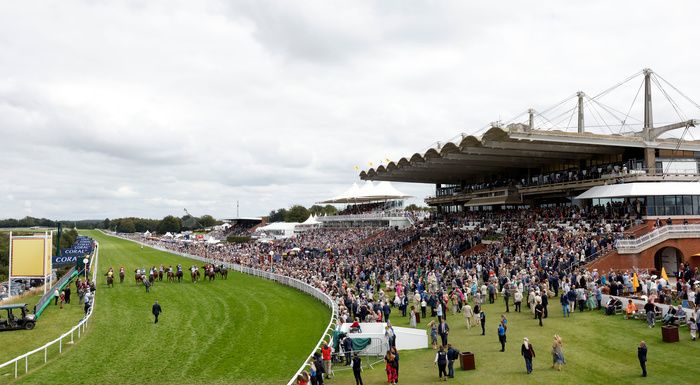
224 332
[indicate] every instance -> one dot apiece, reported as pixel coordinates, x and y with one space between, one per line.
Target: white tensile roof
369 192
311 220
640 189
278 226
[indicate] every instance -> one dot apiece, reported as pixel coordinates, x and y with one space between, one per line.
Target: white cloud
144 108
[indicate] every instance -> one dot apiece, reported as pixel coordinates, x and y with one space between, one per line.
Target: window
687 205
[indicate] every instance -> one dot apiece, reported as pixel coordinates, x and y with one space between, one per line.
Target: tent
369 192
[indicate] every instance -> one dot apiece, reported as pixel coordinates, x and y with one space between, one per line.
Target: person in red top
326 353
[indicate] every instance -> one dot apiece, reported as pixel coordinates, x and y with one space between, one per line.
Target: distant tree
330 210
170 224
297 213
317 210
278 215
106 224
126 226
207 221
412 207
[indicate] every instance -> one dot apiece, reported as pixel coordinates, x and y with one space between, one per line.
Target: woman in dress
557 353
413 317
391 375
432 326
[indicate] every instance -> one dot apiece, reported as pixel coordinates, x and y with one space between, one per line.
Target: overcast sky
143 108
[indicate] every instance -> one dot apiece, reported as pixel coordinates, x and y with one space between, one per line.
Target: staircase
637 245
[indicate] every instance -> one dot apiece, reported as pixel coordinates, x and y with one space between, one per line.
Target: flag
635 282
371 164
663 274
387 160
357 168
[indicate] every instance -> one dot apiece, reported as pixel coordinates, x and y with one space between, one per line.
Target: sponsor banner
64 260
73 252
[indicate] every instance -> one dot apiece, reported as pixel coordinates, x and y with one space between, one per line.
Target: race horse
210 273
224 272
152 276
160 273
110 281
171 276
121 276
137 277
195 275
179 276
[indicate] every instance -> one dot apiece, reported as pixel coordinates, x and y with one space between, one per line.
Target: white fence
291 282
636 245
78 329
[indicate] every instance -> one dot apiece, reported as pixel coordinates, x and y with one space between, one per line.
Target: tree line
299 213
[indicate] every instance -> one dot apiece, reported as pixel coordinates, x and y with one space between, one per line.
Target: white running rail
289 281
78 329
637 245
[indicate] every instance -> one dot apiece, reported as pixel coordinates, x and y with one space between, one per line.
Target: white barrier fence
78 329
288 281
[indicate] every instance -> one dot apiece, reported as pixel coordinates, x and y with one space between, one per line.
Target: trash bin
669 333
466 360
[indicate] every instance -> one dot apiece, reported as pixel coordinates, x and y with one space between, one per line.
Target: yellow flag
371 164
635 282
663 273
357 168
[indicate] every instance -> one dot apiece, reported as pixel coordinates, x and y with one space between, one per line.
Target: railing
79 329
46 298
288 281
365 216
628 246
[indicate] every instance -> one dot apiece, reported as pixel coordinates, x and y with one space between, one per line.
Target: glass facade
673 205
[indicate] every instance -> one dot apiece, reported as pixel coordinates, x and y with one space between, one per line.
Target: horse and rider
121 274
194 273
110 277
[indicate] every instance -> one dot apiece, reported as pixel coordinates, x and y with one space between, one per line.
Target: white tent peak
369 192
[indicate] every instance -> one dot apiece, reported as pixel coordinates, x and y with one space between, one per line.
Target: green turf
599 350
210 333
52 323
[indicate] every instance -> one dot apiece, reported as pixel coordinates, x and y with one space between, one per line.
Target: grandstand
640 176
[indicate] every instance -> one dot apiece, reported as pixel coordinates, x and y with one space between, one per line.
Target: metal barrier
46 298
285 280
79 329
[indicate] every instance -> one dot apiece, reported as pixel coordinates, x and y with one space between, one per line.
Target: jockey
121 270
179 267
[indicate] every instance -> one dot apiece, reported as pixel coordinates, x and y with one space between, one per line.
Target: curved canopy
369 192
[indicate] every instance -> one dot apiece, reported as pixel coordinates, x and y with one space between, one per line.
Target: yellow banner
29 257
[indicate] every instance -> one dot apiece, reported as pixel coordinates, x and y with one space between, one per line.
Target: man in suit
443 330
156 310
642 355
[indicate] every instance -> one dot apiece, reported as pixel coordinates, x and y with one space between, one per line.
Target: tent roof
279 226
369 192
311 220
641 189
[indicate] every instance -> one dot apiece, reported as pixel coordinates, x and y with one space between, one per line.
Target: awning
628 190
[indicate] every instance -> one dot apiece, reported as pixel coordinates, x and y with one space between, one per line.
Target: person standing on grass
62 299
518 300
443 330
539 311
326 354
650 308
412 322
528 353
482 317
56 294
156 310
67 291
395 352
502 336
452 356
441 362
642 356
390 368
468 315
356 365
